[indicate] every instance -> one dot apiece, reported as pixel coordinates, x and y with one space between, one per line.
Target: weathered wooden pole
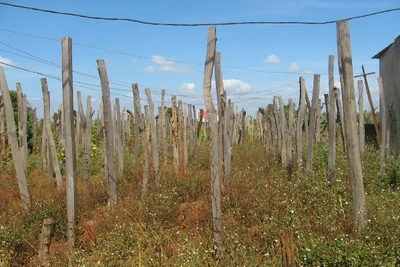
181 132
70 154
175 140
118 140
53 156
283 130
331 121
313 123
212 119
2 137
361 129
34 130
45 242
289 145
12 139
300 122
163 131
140 128
86 127
350 121
154 140
378 132
219 84
383 123
108 130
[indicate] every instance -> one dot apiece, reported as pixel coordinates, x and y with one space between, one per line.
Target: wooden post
34 130
283 130
51 143
12 139
86 127
313 123
287 245
43 148
185 134
289 155
212 119
219 85
70 158
120 148
181 137
383 123
163 130
45 242
350 122
331 121
2 137
175 141
108 130
300 123
154 141
378 133
361 129
318 122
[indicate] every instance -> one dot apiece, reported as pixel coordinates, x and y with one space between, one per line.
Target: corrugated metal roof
377 56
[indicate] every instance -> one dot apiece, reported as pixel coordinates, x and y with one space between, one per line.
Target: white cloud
6 61
272 59
150 69
187 87
167 65
294 67
237 86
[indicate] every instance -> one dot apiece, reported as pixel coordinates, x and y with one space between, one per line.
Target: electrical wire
194 24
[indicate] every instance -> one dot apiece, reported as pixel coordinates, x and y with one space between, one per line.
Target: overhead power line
193 24
164 59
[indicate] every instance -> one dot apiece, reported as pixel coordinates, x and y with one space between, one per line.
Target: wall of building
389 70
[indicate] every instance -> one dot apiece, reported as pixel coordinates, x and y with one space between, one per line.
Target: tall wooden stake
350 121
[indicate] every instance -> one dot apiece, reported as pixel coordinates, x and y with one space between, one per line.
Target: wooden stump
287 246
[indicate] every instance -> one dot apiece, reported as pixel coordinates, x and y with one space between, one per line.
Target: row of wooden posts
182 131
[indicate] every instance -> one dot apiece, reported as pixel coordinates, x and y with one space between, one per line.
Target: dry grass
172 226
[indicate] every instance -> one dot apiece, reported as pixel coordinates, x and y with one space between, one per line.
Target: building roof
377 56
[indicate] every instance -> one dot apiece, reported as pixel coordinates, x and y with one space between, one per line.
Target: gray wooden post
2 137
70 158
34 129
175 139
86 127
313 123
318 122
118 132
300 122
361 130
181 132
140 130
185 134
12 139
350 123
383 128
108 130
22 140
283 130
289 156
51 143
219 82
331 122
163 130
212 119
43 148
154 141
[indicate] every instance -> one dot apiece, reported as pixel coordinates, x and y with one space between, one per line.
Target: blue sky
282 52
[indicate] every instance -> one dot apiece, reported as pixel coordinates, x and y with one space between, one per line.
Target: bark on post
300 122
154 141
108 130
361 129
12 139
51 143
70 159
43 148
313 123
118 139
331 122
350 122
287 246
283 130
340 118
162 129
219 82
227 143
181 138
45 242
140 128
175 139
86 127
289 155
22 125
212 119
2 137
